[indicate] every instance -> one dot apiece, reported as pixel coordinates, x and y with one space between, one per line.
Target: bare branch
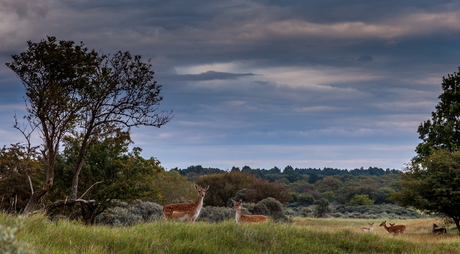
96 183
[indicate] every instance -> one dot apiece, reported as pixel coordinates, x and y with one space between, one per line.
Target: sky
310 84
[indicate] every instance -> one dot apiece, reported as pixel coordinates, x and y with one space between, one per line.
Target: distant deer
244 218
392 224
397 229
438 231
185 211
368 229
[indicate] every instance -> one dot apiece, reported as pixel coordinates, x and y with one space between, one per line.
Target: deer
368 229
438 231
244 218
394 230
185 211
392 224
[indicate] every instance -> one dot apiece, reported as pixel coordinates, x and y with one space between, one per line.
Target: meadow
37 234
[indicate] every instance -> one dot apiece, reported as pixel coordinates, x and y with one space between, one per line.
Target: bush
9 242
361 200
275 209
374 212
321 208
124 214
213 214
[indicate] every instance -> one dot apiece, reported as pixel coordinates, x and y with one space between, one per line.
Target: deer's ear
206 188
196 187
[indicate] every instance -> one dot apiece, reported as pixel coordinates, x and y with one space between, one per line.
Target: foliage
75 92
275 209
214 214
328 183
442 131
361 200
321 208
224 186
18 168
433 185
9 243
336 185
374 212
120 174
171 187
128 214
261 189
303 198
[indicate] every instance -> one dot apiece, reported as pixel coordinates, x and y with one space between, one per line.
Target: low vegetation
310 235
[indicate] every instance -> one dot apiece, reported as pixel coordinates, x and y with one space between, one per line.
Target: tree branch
90 188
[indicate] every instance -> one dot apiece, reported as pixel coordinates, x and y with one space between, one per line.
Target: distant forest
306 185
289 173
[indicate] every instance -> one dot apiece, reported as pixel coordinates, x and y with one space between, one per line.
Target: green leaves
442 131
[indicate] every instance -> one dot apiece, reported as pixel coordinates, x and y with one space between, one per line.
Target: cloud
209 75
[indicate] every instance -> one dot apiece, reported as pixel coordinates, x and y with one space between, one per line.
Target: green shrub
212 214
321 208
127 214
361 200
9 243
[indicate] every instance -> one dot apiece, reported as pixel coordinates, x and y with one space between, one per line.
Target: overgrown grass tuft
302 236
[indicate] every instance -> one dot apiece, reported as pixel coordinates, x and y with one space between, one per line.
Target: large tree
442 131
431 180
73 91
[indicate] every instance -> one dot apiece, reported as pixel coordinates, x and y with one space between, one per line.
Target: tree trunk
457 223
36 199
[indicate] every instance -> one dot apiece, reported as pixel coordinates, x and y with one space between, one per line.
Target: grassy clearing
303 236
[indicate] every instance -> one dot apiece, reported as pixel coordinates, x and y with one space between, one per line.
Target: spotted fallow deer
394 230
185 211
244 218
368 229
438 231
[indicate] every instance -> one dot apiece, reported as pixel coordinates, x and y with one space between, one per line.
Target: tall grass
303 236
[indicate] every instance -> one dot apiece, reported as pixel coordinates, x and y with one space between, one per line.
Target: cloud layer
262 83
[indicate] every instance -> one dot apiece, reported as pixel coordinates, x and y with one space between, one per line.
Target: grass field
304 235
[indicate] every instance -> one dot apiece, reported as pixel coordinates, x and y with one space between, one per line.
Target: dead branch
94 184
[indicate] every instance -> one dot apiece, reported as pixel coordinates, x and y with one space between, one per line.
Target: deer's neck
238 215
199 204
387 228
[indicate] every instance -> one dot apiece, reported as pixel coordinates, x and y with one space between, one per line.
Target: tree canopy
442 131
71 91
433 185
431 180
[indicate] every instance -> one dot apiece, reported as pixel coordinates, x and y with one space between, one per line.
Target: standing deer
368 229
185 211
392 224
397 229
438 231
244 218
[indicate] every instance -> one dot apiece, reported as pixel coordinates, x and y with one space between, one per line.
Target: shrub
361 200
124 214
321 208
213 214
9 242
275 209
